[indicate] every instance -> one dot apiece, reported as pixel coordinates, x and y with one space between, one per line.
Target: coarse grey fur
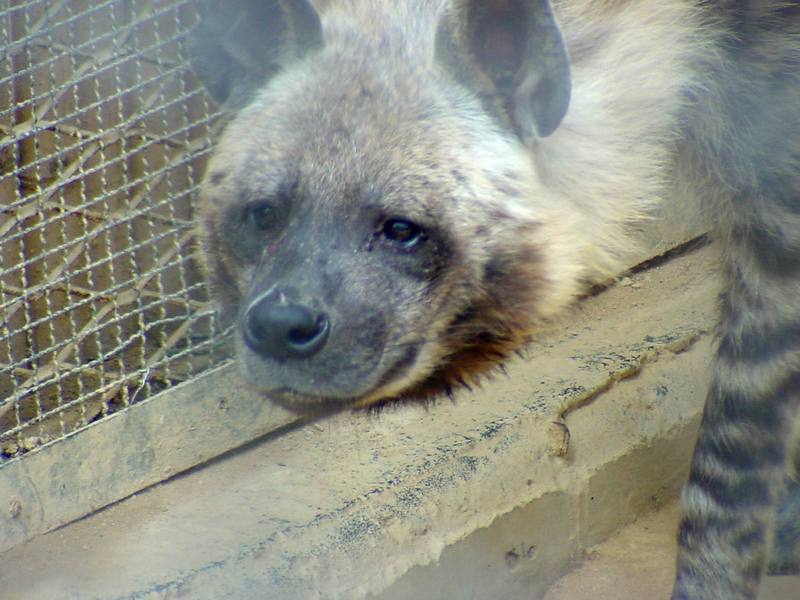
409 189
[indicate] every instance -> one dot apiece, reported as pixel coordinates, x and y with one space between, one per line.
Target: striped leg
739 466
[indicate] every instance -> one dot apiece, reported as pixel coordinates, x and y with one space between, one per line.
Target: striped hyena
409 188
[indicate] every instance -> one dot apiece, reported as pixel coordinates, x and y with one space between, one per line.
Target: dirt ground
636 564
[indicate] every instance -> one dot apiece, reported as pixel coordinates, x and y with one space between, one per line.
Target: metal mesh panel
103 137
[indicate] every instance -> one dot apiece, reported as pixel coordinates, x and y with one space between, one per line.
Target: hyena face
367 220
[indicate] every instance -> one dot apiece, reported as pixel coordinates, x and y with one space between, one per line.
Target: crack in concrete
649 356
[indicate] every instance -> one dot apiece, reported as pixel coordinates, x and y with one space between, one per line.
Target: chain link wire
104 134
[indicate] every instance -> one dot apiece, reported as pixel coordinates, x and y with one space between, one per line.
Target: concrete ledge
131 450
484 498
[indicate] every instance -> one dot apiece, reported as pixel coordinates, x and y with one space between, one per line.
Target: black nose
282 331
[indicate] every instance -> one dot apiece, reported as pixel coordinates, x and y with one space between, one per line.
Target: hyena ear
240 44
514 49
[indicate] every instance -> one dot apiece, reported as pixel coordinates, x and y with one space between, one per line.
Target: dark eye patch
250 225
260 215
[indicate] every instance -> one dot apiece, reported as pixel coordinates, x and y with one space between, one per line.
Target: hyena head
371 219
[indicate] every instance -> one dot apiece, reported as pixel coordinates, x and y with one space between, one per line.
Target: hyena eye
261 216
402 232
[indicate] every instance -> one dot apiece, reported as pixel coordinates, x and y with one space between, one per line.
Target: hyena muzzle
408 189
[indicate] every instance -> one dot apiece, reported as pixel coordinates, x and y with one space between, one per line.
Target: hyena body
410 188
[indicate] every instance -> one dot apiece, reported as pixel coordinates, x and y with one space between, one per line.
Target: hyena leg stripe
739 465
785 555
728 506
740 423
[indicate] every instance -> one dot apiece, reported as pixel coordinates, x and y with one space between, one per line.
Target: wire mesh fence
104 133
